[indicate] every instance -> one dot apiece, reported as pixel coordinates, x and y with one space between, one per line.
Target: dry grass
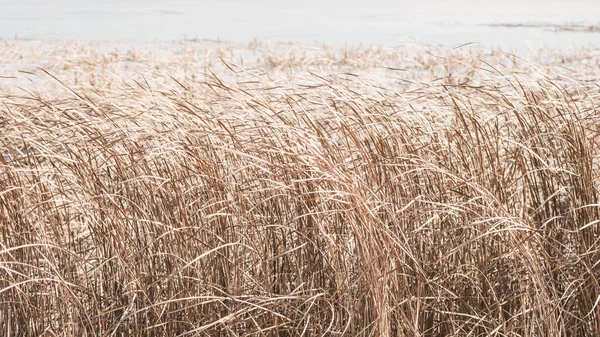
297 191
567 27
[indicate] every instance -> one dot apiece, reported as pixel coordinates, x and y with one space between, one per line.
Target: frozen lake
388 22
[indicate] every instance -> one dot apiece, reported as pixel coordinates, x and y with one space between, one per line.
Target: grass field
207 189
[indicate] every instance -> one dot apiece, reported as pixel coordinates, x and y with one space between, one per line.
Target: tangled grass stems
455 196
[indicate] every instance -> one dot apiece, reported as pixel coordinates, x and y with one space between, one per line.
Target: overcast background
386 22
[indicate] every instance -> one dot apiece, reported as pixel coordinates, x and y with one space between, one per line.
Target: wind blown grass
309 191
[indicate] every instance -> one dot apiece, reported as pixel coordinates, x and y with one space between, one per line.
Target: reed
258 191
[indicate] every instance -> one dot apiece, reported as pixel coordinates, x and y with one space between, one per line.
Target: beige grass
217 190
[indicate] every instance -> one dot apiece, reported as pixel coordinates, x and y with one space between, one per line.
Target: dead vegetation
567 27
362 192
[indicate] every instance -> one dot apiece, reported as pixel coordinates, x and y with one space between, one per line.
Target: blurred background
510 24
